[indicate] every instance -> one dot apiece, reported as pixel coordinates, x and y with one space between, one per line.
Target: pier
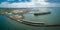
43 13
30 23
20 18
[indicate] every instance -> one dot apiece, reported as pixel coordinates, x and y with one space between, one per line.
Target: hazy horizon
29 3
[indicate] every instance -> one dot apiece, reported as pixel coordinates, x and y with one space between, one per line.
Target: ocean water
49 19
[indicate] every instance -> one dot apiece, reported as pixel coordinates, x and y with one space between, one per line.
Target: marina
51 21
16 15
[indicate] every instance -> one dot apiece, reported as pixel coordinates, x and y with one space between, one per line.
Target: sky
29 3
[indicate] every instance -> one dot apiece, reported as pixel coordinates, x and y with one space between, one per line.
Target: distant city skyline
29 3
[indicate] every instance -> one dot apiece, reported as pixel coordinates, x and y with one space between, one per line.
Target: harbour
49 19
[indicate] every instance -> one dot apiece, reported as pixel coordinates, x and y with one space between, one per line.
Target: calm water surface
50 19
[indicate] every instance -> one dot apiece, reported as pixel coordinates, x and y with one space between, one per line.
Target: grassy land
2 11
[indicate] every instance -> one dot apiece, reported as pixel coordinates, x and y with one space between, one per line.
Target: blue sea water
50 19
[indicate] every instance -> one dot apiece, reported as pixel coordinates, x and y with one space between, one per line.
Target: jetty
43 13
31 23
20 19
17 16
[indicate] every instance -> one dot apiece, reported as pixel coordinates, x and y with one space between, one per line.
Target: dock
42 13
31 23
20 19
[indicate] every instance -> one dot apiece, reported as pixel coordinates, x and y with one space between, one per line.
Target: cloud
17 5
4 4
21 5
37 3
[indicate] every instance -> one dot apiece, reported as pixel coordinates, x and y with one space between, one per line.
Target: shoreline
33 24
